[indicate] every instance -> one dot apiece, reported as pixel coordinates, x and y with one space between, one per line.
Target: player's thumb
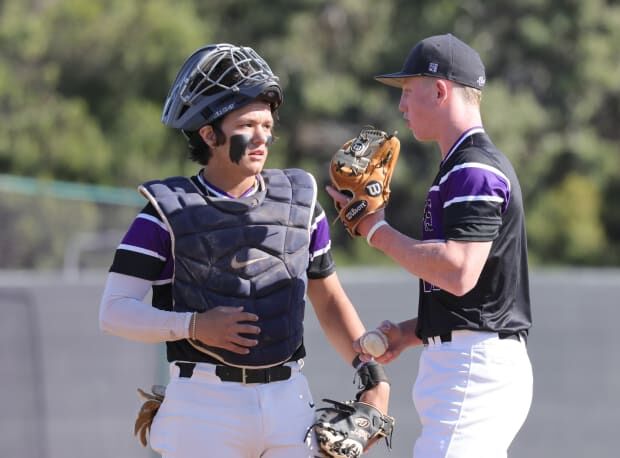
388 328
336 195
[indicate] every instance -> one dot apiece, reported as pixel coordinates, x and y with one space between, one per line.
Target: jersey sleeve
145 250
475 194
321 261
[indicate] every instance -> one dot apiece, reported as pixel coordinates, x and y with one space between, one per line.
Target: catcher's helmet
216 80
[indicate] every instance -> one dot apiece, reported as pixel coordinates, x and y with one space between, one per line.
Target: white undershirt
124 313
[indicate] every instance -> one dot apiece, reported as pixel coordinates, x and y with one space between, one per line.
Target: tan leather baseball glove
362 169
152 402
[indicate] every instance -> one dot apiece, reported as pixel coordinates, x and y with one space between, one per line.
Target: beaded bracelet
193 324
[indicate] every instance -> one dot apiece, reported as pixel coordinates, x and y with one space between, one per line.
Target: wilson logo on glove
356 209
362 168
374 188
358 147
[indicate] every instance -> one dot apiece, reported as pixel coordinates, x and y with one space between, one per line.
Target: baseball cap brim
394 79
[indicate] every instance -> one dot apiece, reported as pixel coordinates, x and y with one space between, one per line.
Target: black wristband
370 375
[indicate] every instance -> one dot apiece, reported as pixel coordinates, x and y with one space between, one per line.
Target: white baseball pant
204 417
472 394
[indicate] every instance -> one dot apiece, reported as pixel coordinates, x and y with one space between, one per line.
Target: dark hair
198 149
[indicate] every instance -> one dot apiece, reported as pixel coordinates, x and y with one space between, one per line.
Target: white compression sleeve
123 313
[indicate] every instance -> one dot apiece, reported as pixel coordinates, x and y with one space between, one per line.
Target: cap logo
481 80
432 67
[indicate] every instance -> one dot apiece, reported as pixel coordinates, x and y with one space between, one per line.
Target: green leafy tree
82 84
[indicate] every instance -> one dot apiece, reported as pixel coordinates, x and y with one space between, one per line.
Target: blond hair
470 95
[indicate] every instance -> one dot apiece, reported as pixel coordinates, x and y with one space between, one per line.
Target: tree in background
82 84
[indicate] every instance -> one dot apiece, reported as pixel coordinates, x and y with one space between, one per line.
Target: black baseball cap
440 56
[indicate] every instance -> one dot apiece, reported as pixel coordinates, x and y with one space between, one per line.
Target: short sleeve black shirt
476 196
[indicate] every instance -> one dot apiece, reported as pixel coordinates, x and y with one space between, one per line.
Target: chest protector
250 252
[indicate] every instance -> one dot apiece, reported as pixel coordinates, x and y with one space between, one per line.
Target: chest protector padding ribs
251 252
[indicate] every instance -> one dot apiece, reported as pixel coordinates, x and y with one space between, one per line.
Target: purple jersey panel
474 182
148 233
320 241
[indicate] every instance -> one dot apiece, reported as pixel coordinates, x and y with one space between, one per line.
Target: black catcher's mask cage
216 80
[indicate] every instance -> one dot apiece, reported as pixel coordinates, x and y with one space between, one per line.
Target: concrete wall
69 391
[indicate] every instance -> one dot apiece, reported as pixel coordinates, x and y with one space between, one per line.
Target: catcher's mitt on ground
362 168
345 429
152 401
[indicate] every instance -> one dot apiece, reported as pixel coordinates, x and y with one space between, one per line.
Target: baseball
374 343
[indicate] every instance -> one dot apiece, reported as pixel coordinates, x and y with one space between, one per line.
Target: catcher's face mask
216 80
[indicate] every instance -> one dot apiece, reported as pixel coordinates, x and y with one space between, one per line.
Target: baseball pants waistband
239 374
469 336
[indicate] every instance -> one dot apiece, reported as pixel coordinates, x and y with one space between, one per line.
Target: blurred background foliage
82 84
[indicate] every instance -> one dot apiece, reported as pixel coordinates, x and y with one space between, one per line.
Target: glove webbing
385 429
368 376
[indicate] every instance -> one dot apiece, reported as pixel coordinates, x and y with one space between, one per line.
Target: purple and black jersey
146 252
476 197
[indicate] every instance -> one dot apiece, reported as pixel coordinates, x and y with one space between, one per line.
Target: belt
447 337
239 374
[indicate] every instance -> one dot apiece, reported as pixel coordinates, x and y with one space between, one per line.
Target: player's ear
441 90
208 135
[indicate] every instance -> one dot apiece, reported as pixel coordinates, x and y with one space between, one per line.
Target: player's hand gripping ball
362 169
374 342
